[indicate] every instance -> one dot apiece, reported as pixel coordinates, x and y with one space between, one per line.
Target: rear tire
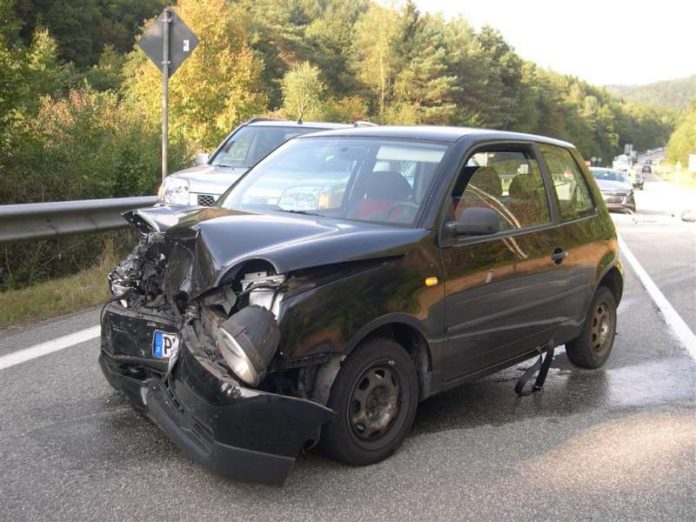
375 396
592 347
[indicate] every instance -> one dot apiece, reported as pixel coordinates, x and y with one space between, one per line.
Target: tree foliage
217 87
82 29
302 92
80 104
683 140
319 59
669 94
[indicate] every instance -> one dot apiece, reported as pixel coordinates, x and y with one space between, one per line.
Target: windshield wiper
303 212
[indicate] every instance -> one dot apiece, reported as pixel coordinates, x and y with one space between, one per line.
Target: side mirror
201 159
475 221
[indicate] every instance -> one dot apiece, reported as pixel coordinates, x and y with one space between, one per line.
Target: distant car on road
638 178
203 183
616 188
350 275
621 162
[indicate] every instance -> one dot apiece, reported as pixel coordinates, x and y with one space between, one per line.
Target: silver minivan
203 183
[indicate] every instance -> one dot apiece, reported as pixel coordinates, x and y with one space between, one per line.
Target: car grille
614 196
206 200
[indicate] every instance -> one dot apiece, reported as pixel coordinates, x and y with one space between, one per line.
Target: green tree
9 22
302 92
423 89
216 88
683 140
82 29
374 56
329 36
107 74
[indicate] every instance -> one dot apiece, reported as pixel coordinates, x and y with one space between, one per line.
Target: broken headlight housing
248 341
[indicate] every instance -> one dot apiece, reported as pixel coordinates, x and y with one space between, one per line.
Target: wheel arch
406 332
613 280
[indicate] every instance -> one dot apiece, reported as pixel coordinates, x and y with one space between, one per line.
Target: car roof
436 133
260 122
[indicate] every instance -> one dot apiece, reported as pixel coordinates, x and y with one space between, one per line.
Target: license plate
164 345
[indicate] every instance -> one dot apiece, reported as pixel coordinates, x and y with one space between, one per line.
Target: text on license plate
164 345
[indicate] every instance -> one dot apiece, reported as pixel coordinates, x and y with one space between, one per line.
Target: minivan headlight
174 191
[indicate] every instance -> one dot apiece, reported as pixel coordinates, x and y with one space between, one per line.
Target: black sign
182 41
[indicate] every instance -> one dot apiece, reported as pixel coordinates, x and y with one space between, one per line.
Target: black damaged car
350 275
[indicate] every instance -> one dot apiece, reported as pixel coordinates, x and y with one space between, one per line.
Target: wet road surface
617 443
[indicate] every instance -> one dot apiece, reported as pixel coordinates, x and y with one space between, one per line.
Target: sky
601 41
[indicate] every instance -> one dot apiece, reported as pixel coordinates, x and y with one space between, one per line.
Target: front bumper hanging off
238 432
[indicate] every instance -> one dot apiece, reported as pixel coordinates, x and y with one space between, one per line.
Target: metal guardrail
31 221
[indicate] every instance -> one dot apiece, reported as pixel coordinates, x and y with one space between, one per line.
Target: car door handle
558 256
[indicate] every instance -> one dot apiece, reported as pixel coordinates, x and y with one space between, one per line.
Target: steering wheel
412 209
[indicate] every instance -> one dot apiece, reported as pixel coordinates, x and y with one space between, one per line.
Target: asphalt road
612 444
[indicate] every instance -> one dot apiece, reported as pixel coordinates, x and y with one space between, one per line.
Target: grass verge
683 178
56 297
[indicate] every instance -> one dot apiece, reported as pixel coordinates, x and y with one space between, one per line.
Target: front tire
375 396
592 348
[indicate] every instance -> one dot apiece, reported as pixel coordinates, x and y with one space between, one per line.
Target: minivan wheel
375 396
592 348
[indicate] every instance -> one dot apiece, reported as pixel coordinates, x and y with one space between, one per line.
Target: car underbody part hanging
541 365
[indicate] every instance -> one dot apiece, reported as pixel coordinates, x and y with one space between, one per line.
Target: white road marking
55 345
680 329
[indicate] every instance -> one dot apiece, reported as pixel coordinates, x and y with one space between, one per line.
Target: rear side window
506 181
571 188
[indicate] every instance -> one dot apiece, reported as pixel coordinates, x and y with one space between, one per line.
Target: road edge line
38 350
679 328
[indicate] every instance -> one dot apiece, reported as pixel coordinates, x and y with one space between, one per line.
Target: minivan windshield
251 143
366 179
610 175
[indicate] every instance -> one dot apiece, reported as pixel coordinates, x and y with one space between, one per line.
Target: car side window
506 181
574 197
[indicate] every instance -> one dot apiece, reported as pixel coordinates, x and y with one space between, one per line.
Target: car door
581 235
501 290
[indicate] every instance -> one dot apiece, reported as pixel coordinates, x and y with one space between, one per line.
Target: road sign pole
166 21
167 42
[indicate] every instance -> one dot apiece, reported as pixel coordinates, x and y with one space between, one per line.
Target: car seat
382 190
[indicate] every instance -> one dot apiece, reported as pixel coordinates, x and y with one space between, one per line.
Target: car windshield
251 143
365 179
610 175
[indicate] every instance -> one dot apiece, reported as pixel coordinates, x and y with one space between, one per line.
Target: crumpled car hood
211 241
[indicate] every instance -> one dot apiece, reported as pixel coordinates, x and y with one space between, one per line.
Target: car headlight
174 191
308 198
248 341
